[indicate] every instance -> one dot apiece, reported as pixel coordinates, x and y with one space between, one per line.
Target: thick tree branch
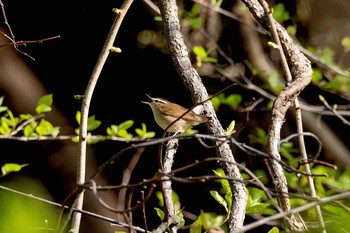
198 92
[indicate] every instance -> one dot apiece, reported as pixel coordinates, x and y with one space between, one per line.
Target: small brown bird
165 112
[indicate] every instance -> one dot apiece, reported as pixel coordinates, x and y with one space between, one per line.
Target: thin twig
86 104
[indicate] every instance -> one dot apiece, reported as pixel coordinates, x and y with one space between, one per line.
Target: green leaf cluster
207 222
339 84
120 130
259 136
176 204
233 101
29 125
274 82
256 203
192 17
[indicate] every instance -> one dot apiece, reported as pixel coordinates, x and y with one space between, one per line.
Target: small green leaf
77 117
4 128
259 136
150 135
142 133
195 10
316 76
272 44
75 139
280 13
112 130
93 123
327 56
158 18
29 130
45 128
340 84
124 134
3 108
233 100
228 197
274 83
230 128
196 22
345 42
256 208
291 30
269 105
274 230
159 195
94 140
210 59
116 10
200 51
25 116
126 124
219 199
190 131
254 205
44 104
11 167
211 220
196 226
160 213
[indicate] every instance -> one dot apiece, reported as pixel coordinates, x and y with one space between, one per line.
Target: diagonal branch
193 83
86 105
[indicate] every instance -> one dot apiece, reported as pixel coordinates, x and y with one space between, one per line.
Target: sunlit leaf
77 117
196 226
46 128
199 51
44 104
230 128
280 13
11 167
346 43
93 123
126 124
219 199
274 230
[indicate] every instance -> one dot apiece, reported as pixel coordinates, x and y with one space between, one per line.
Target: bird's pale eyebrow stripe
159 100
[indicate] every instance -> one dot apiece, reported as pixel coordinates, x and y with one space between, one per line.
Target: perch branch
192 81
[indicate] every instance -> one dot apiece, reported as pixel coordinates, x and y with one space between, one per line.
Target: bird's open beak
144 102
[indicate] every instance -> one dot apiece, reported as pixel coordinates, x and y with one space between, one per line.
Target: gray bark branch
192 81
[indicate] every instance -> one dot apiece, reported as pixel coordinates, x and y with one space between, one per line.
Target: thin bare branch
86 104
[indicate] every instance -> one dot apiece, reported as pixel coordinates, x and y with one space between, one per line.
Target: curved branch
300 70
